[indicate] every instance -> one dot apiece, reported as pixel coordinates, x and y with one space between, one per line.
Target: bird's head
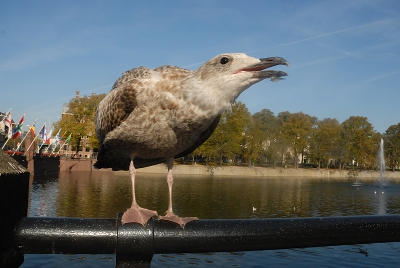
231 73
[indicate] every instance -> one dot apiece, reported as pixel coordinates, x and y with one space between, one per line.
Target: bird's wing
135 73
202 138
139 162
104 161
119 102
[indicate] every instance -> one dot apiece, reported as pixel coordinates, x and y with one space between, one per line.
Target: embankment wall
265 172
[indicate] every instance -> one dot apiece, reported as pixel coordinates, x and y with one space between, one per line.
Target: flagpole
8 111
5 143
30 145
42 139
9 129
49 138
32 142
56 145
18 130
24 138
65 143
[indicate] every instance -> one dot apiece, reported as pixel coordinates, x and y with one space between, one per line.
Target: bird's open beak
257 69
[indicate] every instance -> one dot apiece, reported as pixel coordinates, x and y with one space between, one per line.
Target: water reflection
103 194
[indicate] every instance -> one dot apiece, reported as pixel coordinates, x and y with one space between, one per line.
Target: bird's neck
204 97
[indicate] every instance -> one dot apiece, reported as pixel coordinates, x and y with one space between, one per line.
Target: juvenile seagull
153 116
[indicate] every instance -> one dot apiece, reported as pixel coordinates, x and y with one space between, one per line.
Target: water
103 194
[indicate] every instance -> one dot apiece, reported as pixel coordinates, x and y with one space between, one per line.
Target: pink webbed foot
138 215
170 216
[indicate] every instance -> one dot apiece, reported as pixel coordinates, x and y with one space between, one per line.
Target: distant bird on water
152 116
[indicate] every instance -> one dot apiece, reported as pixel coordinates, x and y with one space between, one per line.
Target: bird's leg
170 215
136 213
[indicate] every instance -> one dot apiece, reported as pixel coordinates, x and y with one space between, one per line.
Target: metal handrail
133 242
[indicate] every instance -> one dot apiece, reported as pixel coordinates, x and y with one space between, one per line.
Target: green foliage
287 138
392 146
79 120
324 141
360 141
252 142
296 132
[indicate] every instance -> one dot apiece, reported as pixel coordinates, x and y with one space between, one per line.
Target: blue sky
344 55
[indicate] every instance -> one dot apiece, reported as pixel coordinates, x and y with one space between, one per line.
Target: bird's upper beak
264 63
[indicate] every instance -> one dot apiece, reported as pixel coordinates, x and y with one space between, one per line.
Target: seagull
152 116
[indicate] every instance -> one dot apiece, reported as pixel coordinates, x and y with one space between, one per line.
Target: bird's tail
112 159
108 159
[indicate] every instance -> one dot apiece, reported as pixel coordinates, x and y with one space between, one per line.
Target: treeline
293 138
266 139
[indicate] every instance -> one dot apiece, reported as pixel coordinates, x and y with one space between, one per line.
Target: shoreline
267 172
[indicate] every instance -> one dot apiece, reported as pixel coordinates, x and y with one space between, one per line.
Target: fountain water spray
381 162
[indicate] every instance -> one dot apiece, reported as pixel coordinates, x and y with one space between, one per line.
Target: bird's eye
224 60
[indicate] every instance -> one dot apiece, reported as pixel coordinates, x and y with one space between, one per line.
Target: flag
43 133
32 129
57 137
69 138
49 137
8 123
18 129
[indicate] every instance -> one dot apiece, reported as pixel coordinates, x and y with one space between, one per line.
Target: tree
79 120
324 140
360 141
253 139
271 126
296 131
392 146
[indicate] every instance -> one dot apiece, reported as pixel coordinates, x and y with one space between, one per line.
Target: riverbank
266 172
87 165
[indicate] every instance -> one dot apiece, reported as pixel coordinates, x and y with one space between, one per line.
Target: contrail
331 33
68 97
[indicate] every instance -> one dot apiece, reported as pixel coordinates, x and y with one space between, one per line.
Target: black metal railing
134 243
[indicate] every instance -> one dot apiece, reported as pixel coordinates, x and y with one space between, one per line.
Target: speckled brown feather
121 103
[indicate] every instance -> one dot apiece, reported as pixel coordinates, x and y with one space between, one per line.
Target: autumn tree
324 140
296 131
79 120
360 141
392 146
253 140
271 126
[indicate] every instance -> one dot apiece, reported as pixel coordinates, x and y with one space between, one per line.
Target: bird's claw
178 220
138 215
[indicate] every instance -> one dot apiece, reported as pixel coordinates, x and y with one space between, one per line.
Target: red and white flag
8 123
49 137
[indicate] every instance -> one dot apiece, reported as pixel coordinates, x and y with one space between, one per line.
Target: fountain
382 168
381 163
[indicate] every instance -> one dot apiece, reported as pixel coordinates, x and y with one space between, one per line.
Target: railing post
14 192
135 245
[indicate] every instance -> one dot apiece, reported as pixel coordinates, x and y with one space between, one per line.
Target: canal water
102 194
